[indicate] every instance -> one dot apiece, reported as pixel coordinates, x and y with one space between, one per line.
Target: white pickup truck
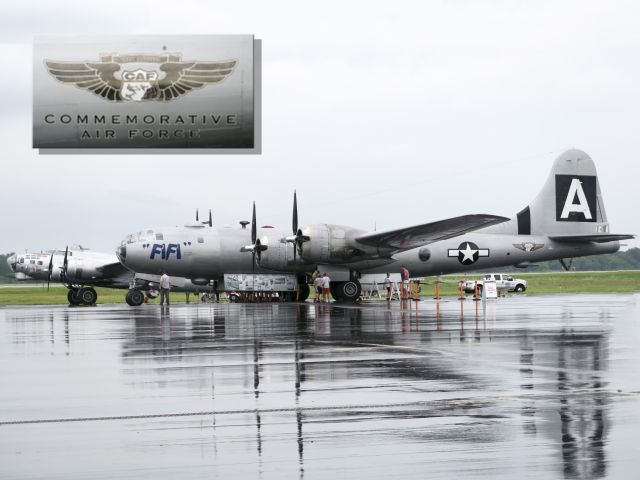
503 282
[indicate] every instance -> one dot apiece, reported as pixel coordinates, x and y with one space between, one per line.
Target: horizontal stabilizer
598 238
412 237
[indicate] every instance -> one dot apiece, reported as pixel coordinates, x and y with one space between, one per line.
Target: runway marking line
456 402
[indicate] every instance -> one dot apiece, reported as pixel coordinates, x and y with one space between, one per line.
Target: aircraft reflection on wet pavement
326 389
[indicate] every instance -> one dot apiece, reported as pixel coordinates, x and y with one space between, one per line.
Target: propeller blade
254 229
65 263
295 213
256 247
210 219
197 219
50 271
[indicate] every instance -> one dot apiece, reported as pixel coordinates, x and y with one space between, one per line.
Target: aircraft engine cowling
278 256
332 244
316 244
78 273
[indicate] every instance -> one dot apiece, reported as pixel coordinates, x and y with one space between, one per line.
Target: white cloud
368 104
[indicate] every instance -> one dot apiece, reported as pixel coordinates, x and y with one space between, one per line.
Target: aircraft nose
12 261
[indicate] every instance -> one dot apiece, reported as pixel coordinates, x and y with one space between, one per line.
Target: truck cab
503 281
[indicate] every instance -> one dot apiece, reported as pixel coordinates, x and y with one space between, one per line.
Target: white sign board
489 289
248 282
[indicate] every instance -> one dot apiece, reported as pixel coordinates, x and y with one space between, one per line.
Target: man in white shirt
326 286
165 286
388 285
317 285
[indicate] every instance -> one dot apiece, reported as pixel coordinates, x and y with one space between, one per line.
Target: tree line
6 275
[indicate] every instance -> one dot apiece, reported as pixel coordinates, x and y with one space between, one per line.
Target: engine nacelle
77 273
278 256
333 244
327 244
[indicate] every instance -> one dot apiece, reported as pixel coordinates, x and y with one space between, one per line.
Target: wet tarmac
524 387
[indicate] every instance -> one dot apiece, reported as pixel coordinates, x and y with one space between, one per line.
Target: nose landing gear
134 297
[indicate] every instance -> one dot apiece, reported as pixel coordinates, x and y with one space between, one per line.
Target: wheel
87 296
289 296
333 288
347 291
134 297
304 292
72 296
234 298
520 288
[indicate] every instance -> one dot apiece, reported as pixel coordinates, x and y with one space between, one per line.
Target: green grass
556 282
57 295
537 283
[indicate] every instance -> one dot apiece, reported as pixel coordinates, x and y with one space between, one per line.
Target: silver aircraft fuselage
209 253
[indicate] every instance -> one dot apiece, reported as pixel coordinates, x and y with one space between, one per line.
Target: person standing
165 286
216 292
404 274
317 286
388 284
326 286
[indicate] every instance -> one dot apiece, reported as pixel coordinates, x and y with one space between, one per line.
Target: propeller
197 219
297 238
50 271
65 264
256 247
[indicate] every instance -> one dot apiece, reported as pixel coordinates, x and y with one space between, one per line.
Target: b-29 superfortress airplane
80 269
567 219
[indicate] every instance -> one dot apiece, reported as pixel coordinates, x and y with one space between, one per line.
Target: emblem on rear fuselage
468 253
528 246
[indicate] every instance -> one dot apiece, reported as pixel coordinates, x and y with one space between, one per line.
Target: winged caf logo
141 77
528 246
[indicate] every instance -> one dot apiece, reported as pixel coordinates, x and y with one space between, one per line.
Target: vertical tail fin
570 203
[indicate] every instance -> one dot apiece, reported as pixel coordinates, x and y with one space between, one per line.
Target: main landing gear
82 296
346 291
303 293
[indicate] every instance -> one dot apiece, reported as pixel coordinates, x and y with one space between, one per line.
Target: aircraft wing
113 270
598 238
412 237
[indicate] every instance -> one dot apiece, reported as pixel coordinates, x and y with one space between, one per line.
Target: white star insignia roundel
468 253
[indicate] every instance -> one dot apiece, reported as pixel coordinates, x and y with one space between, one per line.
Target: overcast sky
377 112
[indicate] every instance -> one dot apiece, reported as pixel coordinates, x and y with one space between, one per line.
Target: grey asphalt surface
524 387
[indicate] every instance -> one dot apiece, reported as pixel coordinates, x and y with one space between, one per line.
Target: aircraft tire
304 292
72 296
134 297
289 296
87 296
347 291
333 288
